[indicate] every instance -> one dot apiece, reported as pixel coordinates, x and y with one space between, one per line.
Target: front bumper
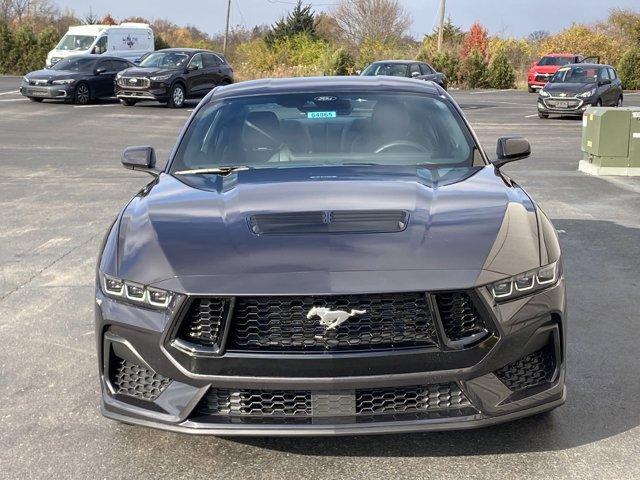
522 326
575 106
156 91
61 92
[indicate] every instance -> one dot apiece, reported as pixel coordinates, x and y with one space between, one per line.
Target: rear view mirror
141 158
510 149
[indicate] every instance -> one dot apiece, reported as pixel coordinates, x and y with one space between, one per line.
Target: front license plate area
562 104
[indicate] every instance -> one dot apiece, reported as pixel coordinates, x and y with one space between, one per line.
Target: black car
405 68
576 87
329 256
172 76
79 78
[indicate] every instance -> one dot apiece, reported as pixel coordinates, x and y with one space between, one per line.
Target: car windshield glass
316 129
76 42
554 61
165 60
391 69
75 64
576 75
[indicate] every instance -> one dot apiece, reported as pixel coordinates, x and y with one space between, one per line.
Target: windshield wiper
215 171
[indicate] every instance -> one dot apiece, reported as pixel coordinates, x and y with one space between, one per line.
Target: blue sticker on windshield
321 114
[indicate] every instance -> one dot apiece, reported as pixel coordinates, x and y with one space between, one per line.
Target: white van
127 40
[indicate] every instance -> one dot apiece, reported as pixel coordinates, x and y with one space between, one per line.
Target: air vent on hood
353 221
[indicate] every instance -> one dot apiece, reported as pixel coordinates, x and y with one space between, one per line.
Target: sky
515 18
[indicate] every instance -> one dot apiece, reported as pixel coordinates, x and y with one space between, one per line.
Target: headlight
161 78
66 81
134 292
25 79
587 94
526 283
544 93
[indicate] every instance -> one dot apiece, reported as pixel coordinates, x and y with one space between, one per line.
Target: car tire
543 115
598 103
127 102
35 99
531 89
177 96
82 95
619 102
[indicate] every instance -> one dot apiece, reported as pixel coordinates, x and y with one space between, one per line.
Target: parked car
127 40
79 79
545 68
172 76
405 68
329 256
576 87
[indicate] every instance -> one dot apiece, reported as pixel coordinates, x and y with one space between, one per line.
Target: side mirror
141 159
358 72
415 74
193 68
510 149
604 81
100 71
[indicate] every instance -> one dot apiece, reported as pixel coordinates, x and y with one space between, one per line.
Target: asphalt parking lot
61 184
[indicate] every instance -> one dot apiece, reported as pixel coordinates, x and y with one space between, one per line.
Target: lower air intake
531 370
136 381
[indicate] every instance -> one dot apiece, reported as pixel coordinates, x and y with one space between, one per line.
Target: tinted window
426 69
548 61
101 46
391 69
576 75
106 64
309 129
165 60
612 73
120 65
415 68
604 74
210 61
196 61
76 64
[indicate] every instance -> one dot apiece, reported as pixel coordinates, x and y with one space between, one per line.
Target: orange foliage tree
476 39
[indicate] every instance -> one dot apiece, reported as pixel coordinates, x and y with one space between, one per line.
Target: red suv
542 70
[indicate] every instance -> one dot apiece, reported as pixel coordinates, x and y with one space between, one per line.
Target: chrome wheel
82 94
178 96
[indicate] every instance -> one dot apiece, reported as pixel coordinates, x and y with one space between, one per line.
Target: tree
300 20
26 43
108 20
342 63
383 21
474 72
7 60
90 18
448 64
629 68
538 36
160 43
477 39
501 73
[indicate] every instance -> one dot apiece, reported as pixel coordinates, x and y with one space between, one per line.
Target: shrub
629 68
448 64
342 63
160 42
25 45
473 73
7 58
585 40
501 73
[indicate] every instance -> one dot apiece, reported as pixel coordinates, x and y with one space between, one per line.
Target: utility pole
441 27
226 29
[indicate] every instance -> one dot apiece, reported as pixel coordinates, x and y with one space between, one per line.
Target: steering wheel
402 143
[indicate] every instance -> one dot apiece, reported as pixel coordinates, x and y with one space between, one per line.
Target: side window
196 61
604 74
415 68
101 46
119 65
210 61
426 69
612 73
105 65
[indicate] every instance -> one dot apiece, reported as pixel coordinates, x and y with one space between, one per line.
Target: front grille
136 381
460 318
377 321
543 77
531 370
134 82
306 406
559 103
204 321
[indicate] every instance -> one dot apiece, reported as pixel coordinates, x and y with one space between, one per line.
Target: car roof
397 61
586 65
187 50
97 57
561 55
374 84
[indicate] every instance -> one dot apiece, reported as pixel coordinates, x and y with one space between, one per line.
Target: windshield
554 61
576 75
316 129
391 69
165 60
75 64
76 42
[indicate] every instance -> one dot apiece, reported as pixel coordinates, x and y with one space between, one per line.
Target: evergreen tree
7 60
501 73
300 20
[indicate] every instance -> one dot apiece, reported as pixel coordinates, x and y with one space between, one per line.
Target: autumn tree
383 21
476 39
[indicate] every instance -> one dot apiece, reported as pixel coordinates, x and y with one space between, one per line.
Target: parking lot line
9 93
13 100
97 106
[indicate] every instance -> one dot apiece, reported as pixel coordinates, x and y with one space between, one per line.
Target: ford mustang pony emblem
332 318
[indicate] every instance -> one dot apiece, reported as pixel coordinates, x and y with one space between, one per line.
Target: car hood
569 89
54 74
148 71
466 226
544 68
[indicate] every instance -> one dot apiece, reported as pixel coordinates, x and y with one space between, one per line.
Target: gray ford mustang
327 256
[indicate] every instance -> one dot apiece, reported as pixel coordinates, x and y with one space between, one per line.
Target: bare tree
383 20
19 10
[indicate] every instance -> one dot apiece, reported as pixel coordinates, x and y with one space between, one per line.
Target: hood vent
351 221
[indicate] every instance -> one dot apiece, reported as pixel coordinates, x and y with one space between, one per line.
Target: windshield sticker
321 115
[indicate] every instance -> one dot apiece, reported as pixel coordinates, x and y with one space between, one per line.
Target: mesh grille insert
531 370
136 381
285 323
460 318
204 321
